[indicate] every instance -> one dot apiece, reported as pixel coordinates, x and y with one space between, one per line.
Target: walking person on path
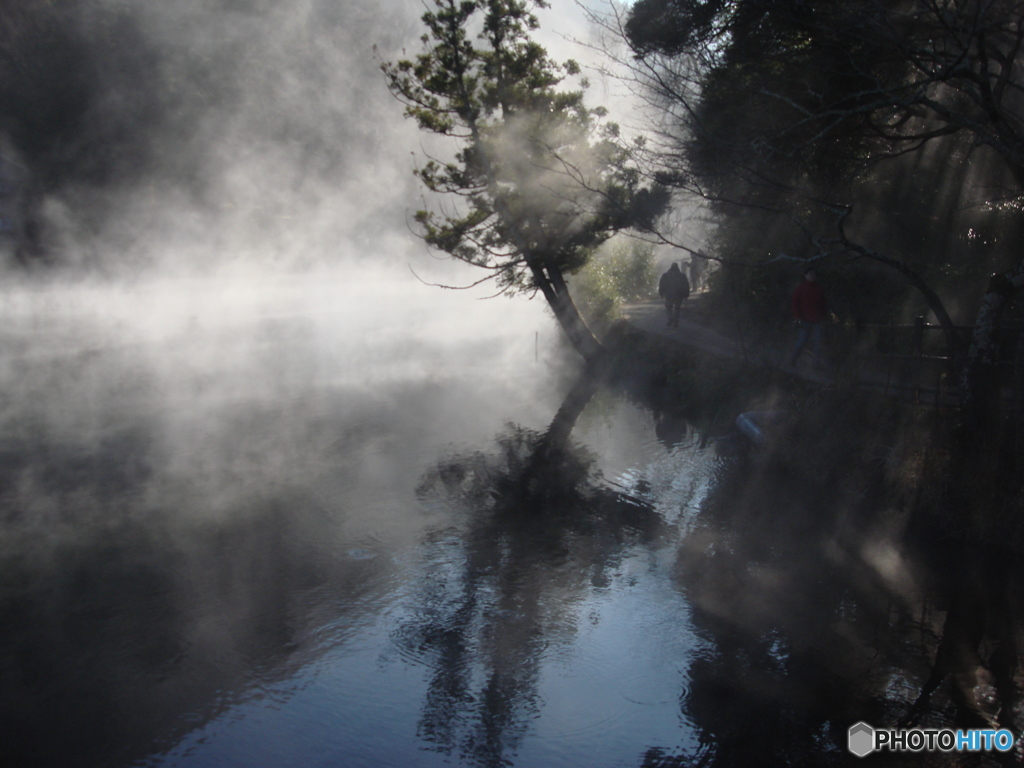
674 288
809 311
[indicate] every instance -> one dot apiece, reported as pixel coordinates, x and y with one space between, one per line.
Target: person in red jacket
809 311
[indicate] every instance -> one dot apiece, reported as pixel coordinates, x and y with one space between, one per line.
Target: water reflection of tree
816 619
538 530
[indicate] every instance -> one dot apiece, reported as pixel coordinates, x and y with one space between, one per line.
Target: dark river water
309 522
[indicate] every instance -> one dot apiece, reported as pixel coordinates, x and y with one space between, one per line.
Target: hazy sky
252 131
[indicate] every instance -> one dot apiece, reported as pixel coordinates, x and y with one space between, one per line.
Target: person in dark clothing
674 288
809 311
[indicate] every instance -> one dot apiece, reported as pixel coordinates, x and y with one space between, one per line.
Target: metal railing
911 360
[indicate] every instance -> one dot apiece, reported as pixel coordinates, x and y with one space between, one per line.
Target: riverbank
700 330
849 358
900 456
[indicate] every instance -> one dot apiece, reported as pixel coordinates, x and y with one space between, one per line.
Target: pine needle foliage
539 179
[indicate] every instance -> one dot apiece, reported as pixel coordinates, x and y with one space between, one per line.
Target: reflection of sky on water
612 692
212 537
602 692
223 544
674 475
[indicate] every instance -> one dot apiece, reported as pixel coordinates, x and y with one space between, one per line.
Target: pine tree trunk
549 279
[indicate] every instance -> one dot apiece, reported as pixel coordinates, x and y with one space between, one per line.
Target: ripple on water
580 699
651 691
360 553
368 547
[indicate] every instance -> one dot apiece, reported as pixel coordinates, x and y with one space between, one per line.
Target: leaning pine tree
540 180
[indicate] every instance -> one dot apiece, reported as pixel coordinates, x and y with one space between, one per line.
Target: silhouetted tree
789 107
541 181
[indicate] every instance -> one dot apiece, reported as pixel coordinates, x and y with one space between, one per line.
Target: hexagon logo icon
861 739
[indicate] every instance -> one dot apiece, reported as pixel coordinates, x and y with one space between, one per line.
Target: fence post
1018 385
917 342
910 370
889 359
